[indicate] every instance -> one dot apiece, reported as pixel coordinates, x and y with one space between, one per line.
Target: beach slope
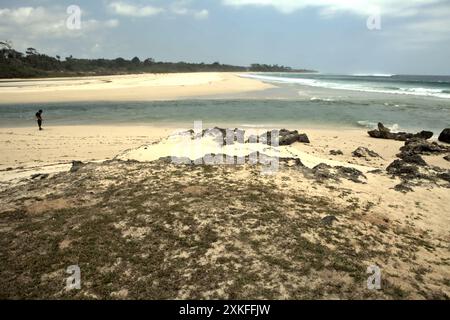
140 87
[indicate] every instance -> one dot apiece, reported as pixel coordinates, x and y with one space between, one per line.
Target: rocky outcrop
424 135
40 176
329 220
404 169
324 172
445 176
363 152
384 133
285 137
76 165
351 174
336 153
403 187
423 147
412 169
412 159
445 136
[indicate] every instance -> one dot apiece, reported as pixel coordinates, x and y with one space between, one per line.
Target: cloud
181 8
433 27
201 14
360 7
130 10
40 22
46 30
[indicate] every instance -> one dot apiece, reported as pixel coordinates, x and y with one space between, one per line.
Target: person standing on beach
39 119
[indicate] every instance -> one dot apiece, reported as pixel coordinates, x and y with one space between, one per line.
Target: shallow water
240 113
287 104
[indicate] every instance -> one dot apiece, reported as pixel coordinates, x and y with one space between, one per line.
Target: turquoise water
401 102
409 85
239 113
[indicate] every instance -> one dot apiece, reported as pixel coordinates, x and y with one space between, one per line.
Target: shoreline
129 88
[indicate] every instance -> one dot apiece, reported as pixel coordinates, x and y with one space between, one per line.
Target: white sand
425 207
141 87
183 146
62 144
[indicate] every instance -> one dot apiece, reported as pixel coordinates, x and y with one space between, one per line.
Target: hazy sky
326 35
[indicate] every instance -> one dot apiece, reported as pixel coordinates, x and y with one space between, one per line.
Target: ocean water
426 86
295 101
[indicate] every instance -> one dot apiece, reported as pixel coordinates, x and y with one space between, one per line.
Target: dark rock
351 174
329 220
411 166
383 129
385 133
76 165
303 138
420 146
382 133
323 172
413 159
403 188
425 135
362 152
402 168
9 169
42 176
376 171
447 158
444 176
285 137
445 136
375 134
336 153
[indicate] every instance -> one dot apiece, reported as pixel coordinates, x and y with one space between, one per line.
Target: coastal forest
33 64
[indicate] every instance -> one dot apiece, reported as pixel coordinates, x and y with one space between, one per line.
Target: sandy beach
62 144
331 216
142 87
208 153
317 223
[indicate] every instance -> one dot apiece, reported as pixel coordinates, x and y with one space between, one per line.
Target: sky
331 36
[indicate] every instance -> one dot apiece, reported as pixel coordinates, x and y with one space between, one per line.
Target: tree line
32 64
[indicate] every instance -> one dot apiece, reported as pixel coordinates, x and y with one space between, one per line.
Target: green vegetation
31 64
160 231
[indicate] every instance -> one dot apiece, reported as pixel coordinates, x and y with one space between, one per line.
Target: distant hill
32 64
